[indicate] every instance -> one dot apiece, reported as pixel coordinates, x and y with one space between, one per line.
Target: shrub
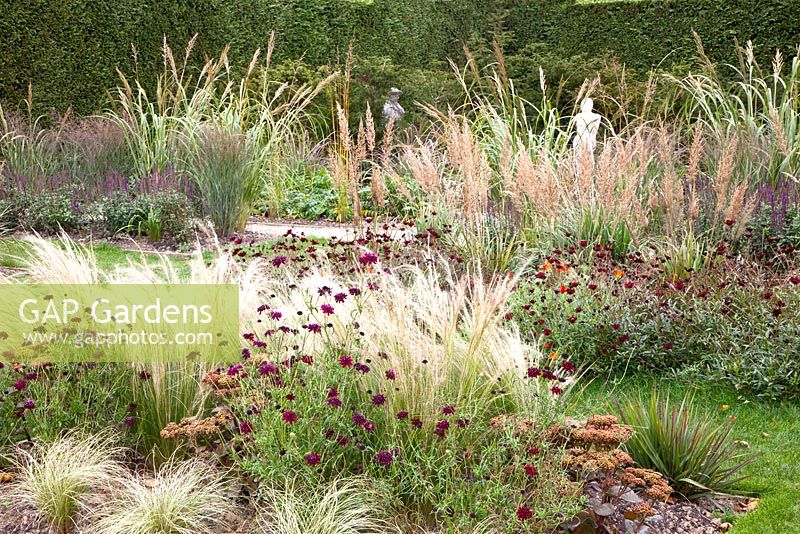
156 215
181 498
47 211
652 311
692 451
58 477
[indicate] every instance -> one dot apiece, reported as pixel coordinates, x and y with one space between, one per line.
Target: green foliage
157 215
693 451
718 323
165 393
68 51
40 402
47 211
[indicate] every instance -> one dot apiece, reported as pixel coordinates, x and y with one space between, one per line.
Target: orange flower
554 355
546 267
618 273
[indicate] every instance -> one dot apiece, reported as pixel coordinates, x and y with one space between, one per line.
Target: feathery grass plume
165 392
60 261
694 452
181 498
58 478
760 108
457 324
342 506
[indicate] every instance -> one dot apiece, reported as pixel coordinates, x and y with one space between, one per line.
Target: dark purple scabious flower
346 360
234 370
340 297
390 375
29 404
373 286
354 291
267 368
277 261
378 400
275 314
327 309
20 385
130 421
448 410
312 458
245 427
289 417
359 419
368 258
441 428
401 415
334 402
416 422
262 308
362 368
144 375
384 458
324 290
313 327
370 426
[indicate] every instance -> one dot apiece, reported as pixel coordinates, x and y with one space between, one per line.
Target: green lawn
771 429
108 255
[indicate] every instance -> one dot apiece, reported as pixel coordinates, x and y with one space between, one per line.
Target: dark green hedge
68 49
643 33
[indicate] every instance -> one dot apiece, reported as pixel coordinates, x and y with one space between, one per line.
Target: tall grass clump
693 451
181 498
759 108
232 136
228 182
341 506
58 478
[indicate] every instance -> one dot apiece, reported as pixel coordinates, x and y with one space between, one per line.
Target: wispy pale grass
181 498
342 506
58 478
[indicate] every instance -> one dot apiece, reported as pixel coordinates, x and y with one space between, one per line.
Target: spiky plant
693 451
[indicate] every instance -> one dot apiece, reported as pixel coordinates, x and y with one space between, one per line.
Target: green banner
119 322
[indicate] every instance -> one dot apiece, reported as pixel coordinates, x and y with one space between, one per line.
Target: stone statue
587 122
392 108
